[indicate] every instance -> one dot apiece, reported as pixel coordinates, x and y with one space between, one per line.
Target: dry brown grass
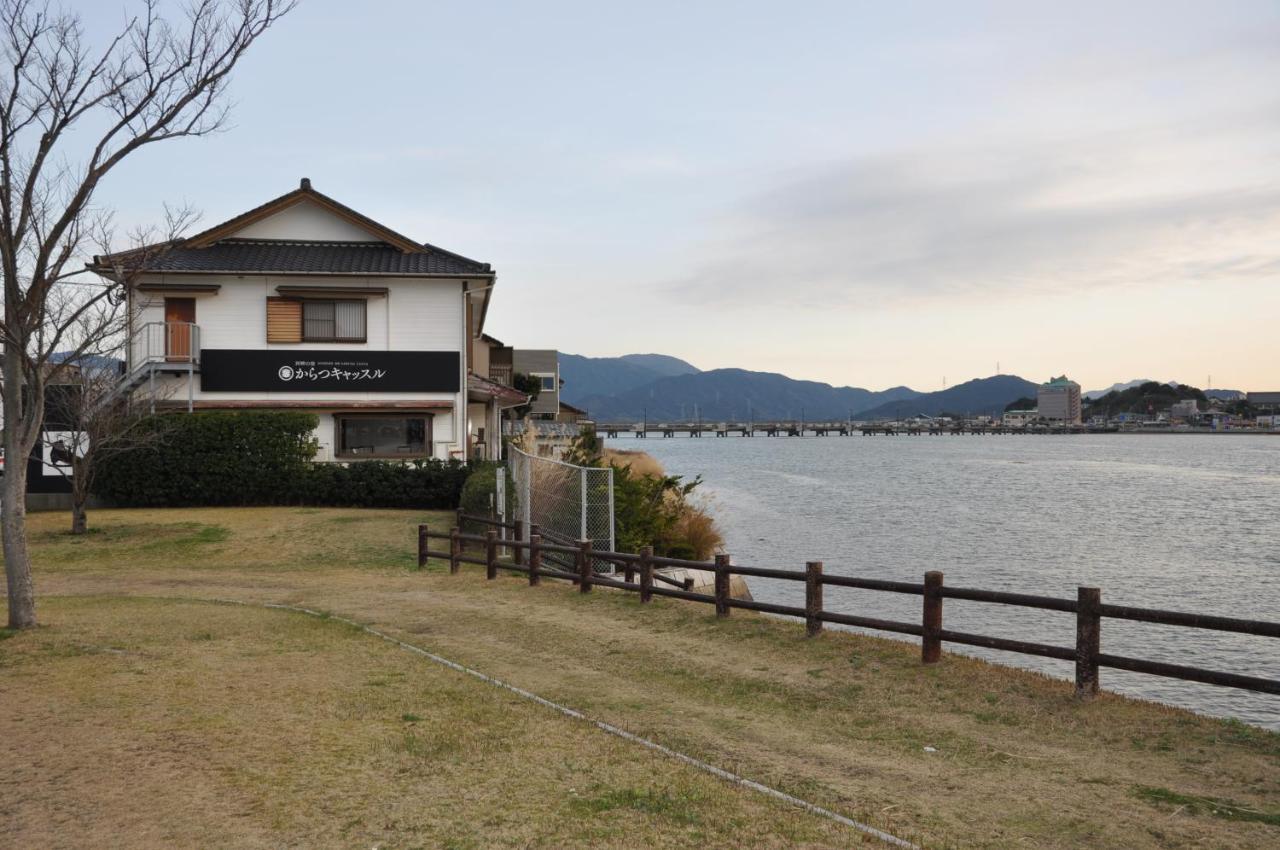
697 527
842 720
155 723
641 463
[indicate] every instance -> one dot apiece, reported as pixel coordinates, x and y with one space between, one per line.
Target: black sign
282 371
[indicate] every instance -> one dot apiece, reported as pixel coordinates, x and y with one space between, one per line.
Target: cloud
1183 201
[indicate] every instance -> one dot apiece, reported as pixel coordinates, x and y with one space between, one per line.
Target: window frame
364 325
339 452
543 377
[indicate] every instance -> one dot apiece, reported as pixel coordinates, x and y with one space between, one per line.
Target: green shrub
478 491
647 512
652 509
479 494
217 458
263 458
428 484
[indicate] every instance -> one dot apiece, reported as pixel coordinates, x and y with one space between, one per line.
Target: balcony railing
167 342
500 373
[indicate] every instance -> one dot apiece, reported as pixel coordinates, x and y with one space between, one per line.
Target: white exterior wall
417 314
306 221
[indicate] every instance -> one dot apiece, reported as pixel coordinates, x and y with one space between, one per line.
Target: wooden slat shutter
284 320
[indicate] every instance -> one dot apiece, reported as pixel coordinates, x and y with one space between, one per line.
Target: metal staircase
162 348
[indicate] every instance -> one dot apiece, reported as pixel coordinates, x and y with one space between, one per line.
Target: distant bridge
822 429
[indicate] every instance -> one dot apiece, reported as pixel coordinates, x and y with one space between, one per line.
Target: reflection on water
1186 522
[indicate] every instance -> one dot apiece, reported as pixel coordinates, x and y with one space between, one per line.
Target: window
382 436
333 321
548 382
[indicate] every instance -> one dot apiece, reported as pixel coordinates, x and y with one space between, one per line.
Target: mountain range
587 377
664 388
981 396
1222 395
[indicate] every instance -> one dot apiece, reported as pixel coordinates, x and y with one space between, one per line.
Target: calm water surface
1184 522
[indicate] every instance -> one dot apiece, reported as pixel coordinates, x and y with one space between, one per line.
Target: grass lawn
143 717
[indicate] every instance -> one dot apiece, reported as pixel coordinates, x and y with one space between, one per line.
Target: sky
870 194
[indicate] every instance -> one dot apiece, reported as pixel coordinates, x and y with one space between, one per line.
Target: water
1182 522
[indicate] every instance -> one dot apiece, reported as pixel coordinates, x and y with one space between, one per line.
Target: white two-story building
305 304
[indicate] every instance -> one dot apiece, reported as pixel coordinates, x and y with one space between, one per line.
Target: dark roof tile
266 256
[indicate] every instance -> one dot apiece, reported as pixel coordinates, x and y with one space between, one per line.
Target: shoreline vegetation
268 728
651 507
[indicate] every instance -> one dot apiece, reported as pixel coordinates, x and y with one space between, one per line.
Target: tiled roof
485 387
218 250
249 256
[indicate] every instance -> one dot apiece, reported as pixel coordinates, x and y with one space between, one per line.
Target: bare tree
89 422
69 114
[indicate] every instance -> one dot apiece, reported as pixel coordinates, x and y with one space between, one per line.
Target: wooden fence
639 575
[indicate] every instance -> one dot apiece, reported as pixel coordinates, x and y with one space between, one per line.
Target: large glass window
330 321
383 436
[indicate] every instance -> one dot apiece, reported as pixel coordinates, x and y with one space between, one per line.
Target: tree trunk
79 519
13 524
13 503
81 477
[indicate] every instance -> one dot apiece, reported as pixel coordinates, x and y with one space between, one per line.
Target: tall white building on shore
1059 400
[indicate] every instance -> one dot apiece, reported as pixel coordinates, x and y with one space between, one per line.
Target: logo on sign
286 373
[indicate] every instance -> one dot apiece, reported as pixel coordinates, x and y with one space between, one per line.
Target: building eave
264 273
293 404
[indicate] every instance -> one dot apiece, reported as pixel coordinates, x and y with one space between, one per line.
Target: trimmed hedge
428 484
479 492
263 458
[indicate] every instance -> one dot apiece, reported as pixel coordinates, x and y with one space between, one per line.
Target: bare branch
149 81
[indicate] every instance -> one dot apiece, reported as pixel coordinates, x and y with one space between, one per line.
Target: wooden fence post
930 642
584 566
491 555
813 598
646 574
1088 641
422 546
535 557
455 549
458 523
722 585
629 572
517 552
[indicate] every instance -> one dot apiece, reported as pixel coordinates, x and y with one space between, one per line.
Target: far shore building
1018 418
1266 402
1059 401
305 304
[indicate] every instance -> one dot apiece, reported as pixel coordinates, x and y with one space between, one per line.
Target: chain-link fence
567 502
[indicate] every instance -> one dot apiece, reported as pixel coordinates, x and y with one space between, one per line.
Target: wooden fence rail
640 576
